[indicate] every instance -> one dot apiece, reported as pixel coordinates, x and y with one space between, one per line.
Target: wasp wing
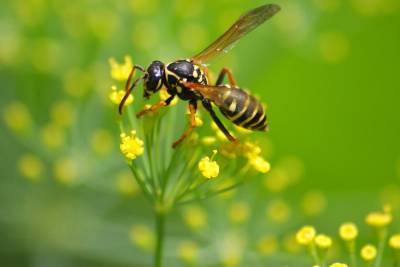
214 93
245 24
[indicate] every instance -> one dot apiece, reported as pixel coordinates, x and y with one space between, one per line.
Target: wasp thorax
153 79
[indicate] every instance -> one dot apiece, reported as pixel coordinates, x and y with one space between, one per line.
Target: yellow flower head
31 167
348 231
195 217
336 264
116 96
188 251
17 117
120 72
378 219
306 235
368 252
142 236
239 212
394 242
323 241
164 95
131 146
260 164
208 167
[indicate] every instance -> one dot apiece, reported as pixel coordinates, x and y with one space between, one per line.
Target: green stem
352 252
381 245
160 228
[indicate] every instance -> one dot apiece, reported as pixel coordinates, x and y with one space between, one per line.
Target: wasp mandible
188 80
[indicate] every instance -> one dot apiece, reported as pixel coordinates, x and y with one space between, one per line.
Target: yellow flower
188 251
278 211
394 242
164 95
116 96
131 146
208 140
267 245
368 252
260 164
66 170
62 114
195 217
323 241
31 167
336 264
101 141
53 136
126 184
208 167
378 219
306 235
142 236
120 72
348 231
313 203
239 212
17 117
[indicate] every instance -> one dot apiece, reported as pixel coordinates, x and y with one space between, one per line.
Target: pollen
116 96
378 219
131 146
348 231
31 167
260 164
208 167
323 241
239 212
306 235
120 72
368 252
394 242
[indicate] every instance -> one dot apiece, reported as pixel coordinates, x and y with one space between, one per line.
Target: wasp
188 80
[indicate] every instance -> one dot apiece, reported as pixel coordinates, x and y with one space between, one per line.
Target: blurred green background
327 69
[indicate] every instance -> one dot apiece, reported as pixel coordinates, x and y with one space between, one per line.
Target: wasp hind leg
192 110
221 77
208 107
155 107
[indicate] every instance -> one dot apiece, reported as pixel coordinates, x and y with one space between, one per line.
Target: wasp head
153 79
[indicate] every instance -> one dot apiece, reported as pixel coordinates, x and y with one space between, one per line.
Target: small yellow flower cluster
305 236
209 168
323 241
394 242
131 146
348 231
368 253
143 237
120 72
378 219
188 252
116 96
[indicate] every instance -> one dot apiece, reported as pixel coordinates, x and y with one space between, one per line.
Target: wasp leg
221 76
208 107
129 87
192 110
155 107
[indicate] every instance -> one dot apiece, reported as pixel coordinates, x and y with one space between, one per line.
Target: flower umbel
120 72
209 168
131 146
116 96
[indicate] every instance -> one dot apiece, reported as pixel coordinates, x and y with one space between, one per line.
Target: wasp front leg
192 125
155 107
221 77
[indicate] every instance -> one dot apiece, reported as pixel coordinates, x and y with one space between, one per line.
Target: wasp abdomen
243 110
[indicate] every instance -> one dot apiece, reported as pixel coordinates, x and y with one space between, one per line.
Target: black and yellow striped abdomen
243 110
